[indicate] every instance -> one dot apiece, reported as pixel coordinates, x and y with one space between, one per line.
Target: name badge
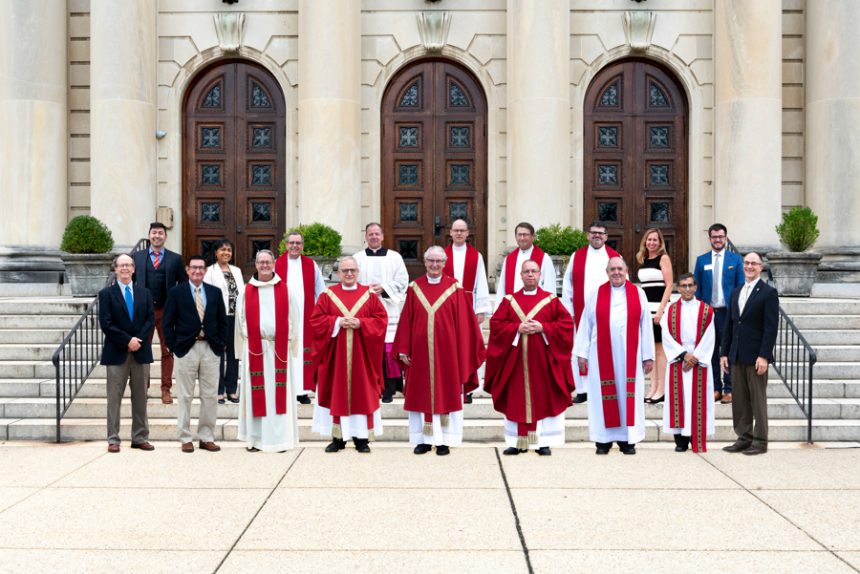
709 267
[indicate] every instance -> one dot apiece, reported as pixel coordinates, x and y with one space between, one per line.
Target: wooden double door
434 159
234 168
635 150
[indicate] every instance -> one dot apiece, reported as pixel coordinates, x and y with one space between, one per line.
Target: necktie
129 302
715 291
201 309
742 300
157 259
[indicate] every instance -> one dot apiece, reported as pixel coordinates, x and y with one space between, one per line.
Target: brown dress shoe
210 446
166 398
717 395
188 447
754 450
145 445
113 447
727 399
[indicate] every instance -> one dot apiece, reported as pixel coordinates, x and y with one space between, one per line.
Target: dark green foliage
799 229
86 234
320 240
558 240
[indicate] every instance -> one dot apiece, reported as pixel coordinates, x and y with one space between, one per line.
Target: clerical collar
526 250
345 288
381 252
622 286
691 301
602 248
460 248
434 281
532 292
257 282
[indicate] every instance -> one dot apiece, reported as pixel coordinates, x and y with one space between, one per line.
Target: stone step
480 409
804 322
818 306
43 305
26 352
38 336
19 321
825 353
397 430
817 337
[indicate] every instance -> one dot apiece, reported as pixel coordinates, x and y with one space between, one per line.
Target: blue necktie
129 302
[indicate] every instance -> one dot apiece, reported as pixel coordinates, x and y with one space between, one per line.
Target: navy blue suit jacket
174 269
119 328
733 275
181 323
751 334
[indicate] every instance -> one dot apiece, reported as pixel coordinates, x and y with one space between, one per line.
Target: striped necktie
201 308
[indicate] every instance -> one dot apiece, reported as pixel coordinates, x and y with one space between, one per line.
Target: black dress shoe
422 448
754 450
737 447
387 399
335 445
362 445
628 449
512 450
658 400
682 443
233 399
468 399
221 401
303 399
601 450
442 450
680 448
580 398
544 451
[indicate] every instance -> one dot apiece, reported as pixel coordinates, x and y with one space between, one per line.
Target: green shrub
320 240
799 229
557 240
86 234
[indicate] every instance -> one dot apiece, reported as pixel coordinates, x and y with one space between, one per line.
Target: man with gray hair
440 346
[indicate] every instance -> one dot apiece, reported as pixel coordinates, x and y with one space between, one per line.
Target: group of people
373 334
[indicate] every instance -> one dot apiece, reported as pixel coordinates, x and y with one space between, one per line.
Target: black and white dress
651 281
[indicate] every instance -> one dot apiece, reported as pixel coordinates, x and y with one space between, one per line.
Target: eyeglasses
751 263
125 266
348 271
265 263
597 233
686 286
197 267
295 242
435 261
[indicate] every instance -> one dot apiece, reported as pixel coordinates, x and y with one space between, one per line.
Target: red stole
470 269
255 348
511 263
606 368
698 428
577 280
308 284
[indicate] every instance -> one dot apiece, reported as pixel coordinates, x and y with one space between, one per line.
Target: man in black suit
195 330
747 346
126 317
159 269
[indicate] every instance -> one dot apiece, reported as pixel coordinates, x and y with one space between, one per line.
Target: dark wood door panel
635 170
234 167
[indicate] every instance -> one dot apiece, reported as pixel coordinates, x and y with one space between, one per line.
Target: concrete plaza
75 508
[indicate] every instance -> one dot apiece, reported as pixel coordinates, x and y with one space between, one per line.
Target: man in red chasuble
348 325
615 350
688 340
529 373
439 343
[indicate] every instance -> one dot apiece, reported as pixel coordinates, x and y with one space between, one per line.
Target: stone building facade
243 119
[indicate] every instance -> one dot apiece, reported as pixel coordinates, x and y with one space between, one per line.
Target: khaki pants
749 405
200 364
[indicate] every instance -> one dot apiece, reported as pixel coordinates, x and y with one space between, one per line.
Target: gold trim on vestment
349 335
431 321
525 338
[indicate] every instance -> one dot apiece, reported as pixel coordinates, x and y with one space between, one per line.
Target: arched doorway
635 153
234 161
434 158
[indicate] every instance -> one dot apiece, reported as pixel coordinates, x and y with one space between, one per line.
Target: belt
200 338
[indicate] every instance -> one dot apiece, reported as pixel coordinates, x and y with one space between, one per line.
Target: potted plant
795 271
322 243
86 253
559 243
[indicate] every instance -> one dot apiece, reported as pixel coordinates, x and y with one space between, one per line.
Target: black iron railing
79 353
794 360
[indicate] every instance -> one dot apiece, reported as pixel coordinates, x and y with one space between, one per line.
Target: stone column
833 120
748 120
538 188
330 116
34 139
123 62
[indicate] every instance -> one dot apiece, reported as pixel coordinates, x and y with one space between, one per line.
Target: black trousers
228 381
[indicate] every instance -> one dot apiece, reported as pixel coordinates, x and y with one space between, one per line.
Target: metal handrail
794 360
78 354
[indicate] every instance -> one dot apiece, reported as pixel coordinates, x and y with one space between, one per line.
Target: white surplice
295 277
273 432
390 272
547 275
481 294
703 352
585 346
